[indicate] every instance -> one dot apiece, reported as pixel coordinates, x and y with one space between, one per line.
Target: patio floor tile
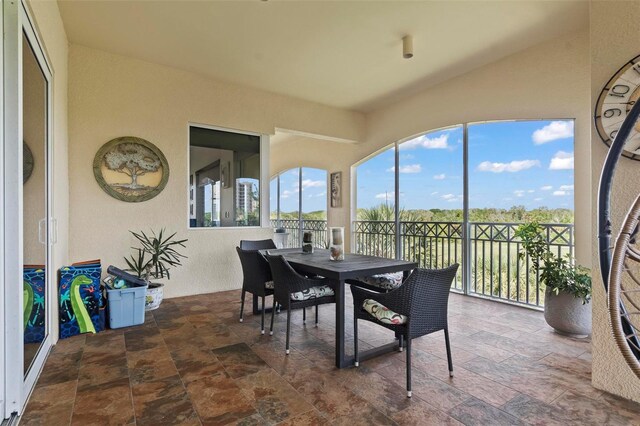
187 366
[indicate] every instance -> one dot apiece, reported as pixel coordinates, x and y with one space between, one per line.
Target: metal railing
318 230
496 270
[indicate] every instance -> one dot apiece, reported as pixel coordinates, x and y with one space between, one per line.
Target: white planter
566 314
154 296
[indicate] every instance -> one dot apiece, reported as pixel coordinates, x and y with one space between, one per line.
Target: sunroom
354 158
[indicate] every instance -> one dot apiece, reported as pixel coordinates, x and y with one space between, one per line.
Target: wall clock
614 103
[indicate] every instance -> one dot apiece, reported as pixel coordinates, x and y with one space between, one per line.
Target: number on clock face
614 103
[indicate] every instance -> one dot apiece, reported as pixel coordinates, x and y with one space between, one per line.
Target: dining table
338 272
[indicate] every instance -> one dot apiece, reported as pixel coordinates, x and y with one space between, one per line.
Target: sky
314 190
527 163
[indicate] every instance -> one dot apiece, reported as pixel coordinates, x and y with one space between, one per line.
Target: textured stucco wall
614 41
113 96
51 30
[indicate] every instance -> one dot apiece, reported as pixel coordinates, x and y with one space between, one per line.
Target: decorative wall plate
131 169
27 162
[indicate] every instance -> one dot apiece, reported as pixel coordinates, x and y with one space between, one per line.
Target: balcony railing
318 230
496 270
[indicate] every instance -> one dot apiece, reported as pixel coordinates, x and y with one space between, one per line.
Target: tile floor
192 362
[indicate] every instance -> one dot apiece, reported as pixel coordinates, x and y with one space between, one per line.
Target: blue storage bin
126 305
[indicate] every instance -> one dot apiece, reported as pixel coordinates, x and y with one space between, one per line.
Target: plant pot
154 296
566 314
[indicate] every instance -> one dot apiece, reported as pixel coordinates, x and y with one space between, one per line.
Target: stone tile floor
192 362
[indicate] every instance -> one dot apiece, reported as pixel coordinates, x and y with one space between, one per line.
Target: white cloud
512 167
308 183
439 177
448 196
546 188
451 197
560 193
553 131
566 187
562 161
322 194
440 142
538 199
434 193
518 193
531 191
409 168
386 196
286 193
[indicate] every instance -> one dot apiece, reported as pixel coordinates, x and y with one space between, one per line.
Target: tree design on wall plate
131 169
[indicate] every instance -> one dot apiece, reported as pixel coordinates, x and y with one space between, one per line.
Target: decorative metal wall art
131 169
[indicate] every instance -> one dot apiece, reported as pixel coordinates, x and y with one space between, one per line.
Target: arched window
457 195
299 204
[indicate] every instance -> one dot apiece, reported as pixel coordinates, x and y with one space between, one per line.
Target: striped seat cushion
382 313
388 282
313 293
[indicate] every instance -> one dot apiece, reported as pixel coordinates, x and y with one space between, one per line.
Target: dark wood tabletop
354 265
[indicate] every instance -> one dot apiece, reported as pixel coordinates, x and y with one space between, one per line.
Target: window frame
264 177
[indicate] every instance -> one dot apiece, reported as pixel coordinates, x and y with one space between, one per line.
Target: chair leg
401 343
316 315
288 328
273 313
262 318
408 368
242 305
446 341
355 342
304 315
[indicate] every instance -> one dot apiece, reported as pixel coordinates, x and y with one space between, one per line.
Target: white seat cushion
269 285
388 282
313 293
382 313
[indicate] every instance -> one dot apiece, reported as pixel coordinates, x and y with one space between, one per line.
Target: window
299 204
412 204
224 169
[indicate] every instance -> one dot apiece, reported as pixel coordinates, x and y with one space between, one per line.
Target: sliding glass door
27 276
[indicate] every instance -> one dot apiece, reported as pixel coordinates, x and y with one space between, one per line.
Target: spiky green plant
163 252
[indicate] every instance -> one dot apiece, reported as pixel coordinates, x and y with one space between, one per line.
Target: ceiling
346 54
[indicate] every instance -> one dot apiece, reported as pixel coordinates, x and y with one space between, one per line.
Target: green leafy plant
138 263
557 273
163 252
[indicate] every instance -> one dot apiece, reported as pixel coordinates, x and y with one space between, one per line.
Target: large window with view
412 203
299 205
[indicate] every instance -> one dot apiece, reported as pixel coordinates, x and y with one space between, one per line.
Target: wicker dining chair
293 291
417 308
257 244
256 279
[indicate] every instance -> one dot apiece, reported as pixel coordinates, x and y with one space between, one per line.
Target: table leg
341 362
256 310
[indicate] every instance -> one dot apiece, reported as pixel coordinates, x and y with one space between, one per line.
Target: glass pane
314 205
431 187
518 172
290 206
35 203
225 171
273 201
374 230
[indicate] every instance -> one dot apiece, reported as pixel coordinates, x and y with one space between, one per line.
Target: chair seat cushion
388 282
313 293
269 285
382 313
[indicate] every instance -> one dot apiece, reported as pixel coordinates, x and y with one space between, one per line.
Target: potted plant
568 286
153 260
